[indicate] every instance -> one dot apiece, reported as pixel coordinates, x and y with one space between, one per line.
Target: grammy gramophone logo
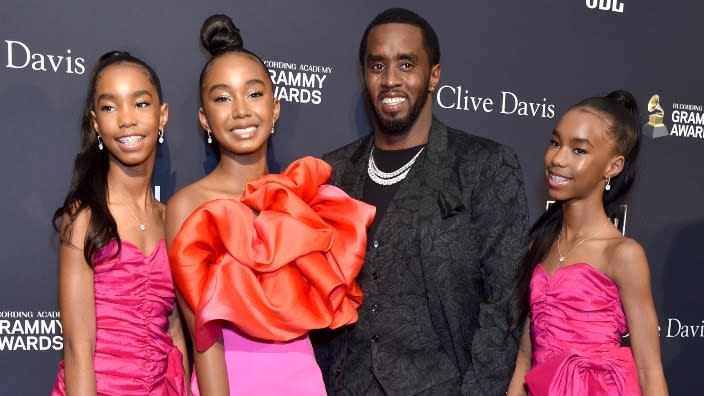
655 127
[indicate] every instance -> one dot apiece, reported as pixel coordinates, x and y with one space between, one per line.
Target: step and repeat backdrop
510 68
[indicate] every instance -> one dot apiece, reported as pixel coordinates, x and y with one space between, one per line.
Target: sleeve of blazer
500 221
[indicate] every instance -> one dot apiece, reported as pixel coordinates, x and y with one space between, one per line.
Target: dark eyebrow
218 86
141 93
583 140
586 141
108 96
105 97
253 81
374 58
410 57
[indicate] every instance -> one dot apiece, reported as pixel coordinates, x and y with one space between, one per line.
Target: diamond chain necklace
388 178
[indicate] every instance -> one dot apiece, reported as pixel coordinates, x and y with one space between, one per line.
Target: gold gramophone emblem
655 127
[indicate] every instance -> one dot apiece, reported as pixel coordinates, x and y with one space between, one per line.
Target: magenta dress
577 322
268 368
134 296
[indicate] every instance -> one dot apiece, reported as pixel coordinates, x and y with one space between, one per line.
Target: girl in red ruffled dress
259 259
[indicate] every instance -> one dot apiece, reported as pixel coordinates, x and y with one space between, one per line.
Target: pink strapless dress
269 368
134 296
577 322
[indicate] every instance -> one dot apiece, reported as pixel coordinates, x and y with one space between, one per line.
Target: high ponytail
621 109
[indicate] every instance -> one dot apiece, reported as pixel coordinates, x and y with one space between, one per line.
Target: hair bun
219 33
625 99
114 54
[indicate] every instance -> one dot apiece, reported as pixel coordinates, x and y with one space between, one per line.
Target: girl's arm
77 306
176 333
523 363
632 275
210 368
211 371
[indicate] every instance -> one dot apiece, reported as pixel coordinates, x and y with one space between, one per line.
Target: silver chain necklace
388 178
142 224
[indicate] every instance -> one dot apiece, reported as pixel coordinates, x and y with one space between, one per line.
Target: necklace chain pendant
142 224
559 236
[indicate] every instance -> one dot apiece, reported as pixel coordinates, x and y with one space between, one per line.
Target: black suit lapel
437 182
353 176
437 164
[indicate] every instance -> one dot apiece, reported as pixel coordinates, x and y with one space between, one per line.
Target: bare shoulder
73 238
181 205
73 233
625 250
627 260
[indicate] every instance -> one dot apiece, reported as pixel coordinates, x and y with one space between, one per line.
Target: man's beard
397 127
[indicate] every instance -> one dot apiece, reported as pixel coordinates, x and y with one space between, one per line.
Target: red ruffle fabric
276 264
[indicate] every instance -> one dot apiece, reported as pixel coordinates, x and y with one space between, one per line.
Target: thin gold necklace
142 224
588 237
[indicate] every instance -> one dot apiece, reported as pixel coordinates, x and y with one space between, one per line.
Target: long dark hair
89 183
621 109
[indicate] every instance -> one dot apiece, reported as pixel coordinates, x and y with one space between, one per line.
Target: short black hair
408 17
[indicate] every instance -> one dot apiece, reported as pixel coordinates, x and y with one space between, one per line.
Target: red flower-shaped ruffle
276 264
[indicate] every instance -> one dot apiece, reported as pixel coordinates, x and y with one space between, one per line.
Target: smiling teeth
559 179
130 140
244 132
393 101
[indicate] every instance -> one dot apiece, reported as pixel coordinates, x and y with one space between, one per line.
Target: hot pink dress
577 322
134 296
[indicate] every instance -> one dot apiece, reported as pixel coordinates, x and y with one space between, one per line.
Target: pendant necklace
564 256
142 224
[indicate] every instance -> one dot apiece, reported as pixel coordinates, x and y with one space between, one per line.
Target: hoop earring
608 184
100 144
210 137
161 136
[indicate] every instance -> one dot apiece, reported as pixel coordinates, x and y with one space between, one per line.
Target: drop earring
608 184
272 130
100 143
161 136
210 137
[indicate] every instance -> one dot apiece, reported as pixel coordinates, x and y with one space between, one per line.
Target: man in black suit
448 235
